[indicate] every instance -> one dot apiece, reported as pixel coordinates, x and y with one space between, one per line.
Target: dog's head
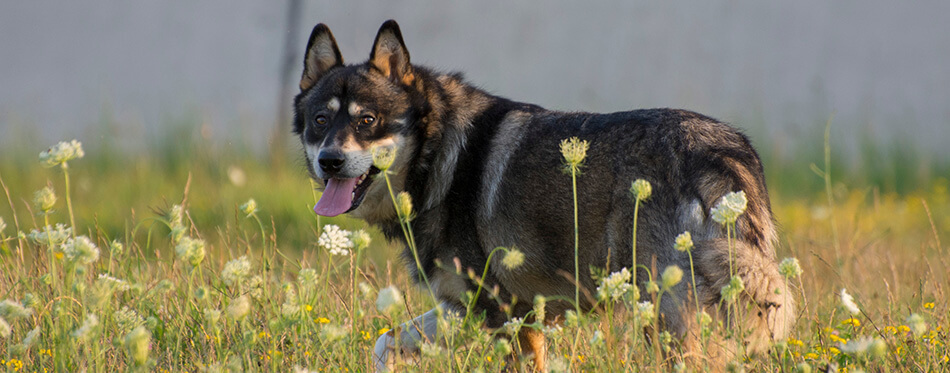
346 112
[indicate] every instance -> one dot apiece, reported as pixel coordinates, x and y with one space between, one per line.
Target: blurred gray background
125 71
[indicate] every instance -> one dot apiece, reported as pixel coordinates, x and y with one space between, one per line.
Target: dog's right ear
321 56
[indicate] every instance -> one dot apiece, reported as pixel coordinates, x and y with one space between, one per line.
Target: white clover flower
790 268
671 276
249 207
239 308
236 271
127 319
574 151
61 153
11 310
614 286
645 312
50 235
80 250
336 240
848 302
5 329
684 242
514 258
641 190
44 199
729 208
84 331
917 324
389 299
191 250
111 283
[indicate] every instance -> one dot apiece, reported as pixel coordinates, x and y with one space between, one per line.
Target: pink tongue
337 198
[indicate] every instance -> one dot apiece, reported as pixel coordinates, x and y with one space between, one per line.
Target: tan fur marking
333 104
354 109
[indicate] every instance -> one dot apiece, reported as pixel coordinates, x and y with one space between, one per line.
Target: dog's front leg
420 330
532 343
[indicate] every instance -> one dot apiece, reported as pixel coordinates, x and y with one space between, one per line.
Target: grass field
215 285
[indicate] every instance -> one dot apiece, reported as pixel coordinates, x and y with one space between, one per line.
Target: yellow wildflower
851 321
383 331
929 305
321 320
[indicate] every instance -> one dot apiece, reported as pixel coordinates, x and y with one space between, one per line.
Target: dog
484 171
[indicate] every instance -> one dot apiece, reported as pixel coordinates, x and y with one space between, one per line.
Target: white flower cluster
790 268
80 250
111 283
127 319
11 310
730 207
249 207
514 258
389 299
61 153
50 235
730 293
848 302
336 240
615 286
87 327
645 312
191 250
684 242
236 271
641 190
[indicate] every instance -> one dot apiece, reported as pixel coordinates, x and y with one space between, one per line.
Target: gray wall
778 69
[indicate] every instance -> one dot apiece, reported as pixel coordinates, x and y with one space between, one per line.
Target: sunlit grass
266 296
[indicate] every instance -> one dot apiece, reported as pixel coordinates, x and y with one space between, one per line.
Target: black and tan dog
484 171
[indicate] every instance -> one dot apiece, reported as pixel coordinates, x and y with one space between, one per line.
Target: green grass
890 224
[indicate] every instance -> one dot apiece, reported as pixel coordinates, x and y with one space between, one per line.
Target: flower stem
69 201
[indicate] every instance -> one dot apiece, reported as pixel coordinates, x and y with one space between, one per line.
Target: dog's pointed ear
321 56
390 55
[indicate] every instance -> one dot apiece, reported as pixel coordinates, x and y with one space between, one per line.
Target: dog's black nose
330 162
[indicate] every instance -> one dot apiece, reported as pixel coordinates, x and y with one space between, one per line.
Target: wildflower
641 190
404 205
116 248
389 299
239 308
671 276
704 318
31 337
571 319
514 325
790 268
383 157
848 302
360 239
127 319
335 240
878 349
50 235
249 207
729 208
551 331
665 339
917 324
645 312
851 321
365 289
503 347
540 303
4 329
652 287
176 216
11 310
431 350
614 286
731 292
856 346
236 271
513 259
191 250
927 306
804 367
256 286
332 333
684 242
80 250
84 331
44 199
291 304
212 316
574 151
61 153
137 342
322 320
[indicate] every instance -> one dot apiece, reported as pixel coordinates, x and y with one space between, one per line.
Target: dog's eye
321 120
367 119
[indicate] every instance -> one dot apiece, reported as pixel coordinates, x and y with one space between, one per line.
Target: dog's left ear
389 54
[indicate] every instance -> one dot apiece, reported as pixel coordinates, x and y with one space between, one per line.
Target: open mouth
344 195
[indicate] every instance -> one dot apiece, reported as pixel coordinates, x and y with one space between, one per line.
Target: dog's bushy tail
772 310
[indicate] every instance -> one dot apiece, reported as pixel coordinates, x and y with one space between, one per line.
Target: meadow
203 257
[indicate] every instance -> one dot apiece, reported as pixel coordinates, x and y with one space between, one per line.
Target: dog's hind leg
422 329
533 346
